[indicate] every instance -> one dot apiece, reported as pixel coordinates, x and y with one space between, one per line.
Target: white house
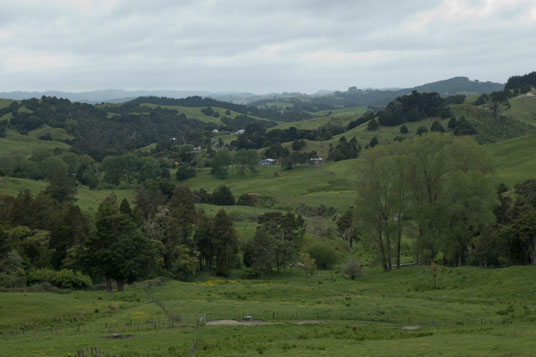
239 132
316 160
267 162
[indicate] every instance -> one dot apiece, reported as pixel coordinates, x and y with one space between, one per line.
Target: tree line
438 192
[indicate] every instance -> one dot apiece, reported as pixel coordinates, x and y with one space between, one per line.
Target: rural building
316 161
267 162
215 131
239 132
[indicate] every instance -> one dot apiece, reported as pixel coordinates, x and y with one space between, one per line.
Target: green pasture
474 312
523 109
17 144
515 159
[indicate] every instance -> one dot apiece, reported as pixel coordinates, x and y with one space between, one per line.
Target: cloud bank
260 46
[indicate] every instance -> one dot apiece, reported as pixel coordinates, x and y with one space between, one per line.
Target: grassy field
515 159
523 109
17 144
476 312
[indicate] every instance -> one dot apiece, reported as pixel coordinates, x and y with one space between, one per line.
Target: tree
421 130
352 269
118 249
324 255
309 265
185 172
373 125
203 239
181 219
220 164
282 235
246 159
225 243
62 186
222 196
373 142
404 129
345 228
436 126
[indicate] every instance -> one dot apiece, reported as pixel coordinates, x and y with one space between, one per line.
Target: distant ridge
368 97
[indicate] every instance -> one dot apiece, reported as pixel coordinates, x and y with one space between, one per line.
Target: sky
261 46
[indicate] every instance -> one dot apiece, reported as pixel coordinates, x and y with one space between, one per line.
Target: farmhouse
267 162
316 161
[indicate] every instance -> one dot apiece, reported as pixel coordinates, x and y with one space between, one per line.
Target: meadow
478 312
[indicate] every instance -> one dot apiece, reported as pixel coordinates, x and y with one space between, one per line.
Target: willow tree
436 187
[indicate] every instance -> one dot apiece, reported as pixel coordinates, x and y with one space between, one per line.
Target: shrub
421 130
404 129
247 200
185 172
352 269
64 279
324 255
222 196
373 125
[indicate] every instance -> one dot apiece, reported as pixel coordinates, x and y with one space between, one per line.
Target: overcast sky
261 46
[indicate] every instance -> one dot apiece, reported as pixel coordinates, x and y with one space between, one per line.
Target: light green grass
522 109
515 159
16 144
477 312
88 200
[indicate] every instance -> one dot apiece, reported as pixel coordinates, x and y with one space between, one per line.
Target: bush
222 196
68 279
324 255
373 125
404 129
352 269
64 279
421 130
247 200
185 172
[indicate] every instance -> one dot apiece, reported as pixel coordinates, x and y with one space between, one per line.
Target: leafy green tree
421 130
373 125
352 269
203 239
225 243
62 186
324 255
185 172
220 164
345 228
263 252
286 234
404 129
222 196
436 126
186 265
182 215
118 249
309 265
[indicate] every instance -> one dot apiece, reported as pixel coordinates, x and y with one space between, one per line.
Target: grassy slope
515 159
476 312
16 144
523 109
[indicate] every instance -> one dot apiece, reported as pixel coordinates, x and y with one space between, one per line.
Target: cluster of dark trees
256 137
521 83
344 150
414 107
439 190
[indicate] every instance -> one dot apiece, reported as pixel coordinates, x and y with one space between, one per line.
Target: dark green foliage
247 199
421 130
436 126
124 207
344 150
207 111
521 82
185 172
324 255
204 241
414 107
373 125
455 99
118 249
404 129
62 186
363 119
463 127
222 196
452 123
297 145
225 243
373 142
277 240
345 227
220 164
12 273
